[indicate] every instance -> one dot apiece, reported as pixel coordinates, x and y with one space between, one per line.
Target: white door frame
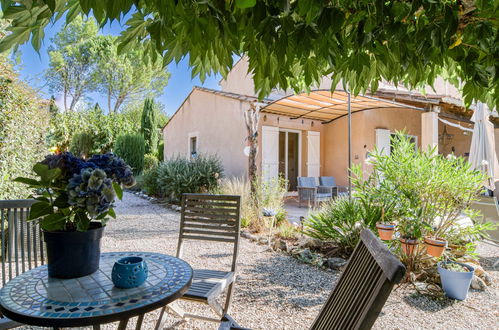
287 130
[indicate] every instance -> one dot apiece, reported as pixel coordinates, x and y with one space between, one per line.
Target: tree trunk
251 118
109 100
65 99
74 101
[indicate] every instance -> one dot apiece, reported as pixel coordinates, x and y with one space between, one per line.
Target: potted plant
410 231
385 230
456 278
435 246
75 198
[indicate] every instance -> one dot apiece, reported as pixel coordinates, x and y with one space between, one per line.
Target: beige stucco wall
238 80
219 125
364 125
461 140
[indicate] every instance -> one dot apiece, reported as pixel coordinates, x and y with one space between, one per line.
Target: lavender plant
73 192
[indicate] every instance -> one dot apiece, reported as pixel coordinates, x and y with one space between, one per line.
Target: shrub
270 195
24 121
82 145
150 162
130 147
149 182
149 126
340 221
428 193
161 152
241 187
178 175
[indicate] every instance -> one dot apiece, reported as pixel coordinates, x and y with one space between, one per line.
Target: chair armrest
325 189
306 188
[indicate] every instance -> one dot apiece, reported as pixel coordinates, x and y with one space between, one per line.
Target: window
193 146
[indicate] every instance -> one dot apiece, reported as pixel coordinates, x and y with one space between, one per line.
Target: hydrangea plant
73 192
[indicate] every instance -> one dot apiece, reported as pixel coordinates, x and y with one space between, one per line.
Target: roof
327 106
240 97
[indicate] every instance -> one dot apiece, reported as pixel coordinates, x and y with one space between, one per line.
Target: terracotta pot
385 230
409 246
435 246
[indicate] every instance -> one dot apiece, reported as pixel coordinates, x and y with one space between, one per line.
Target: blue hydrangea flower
91 190
67 163
115 168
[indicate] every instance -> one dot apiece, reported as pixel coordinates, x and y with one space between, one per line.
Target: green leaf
111 213
243 4
40 209
61 201
54 222
46 175
118 190
28 181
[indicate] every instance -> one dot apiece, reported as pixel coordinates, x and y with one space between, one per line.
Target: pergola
326 107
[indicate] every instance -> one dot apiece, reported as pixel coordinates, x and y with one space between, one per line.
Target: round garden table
35 299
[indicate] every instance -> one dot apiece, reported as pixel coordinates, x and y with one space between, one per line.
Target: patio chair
210 218
21 245
310 192
361 290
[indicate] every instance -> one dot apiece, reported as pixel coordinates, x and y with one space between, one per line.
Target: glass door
289 157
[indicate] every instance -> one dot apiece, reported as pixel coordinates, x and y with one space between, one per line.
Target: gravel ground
275 291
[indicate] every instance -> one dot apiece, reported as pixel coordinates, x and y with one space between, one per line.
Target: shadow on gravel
216 255
283 281
428 304
488 262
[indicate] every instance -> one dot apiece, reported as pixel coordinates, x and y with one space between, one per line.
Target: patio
273 284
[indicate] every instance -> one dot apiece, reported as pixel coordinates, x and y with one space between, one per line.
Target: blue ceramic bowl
129 272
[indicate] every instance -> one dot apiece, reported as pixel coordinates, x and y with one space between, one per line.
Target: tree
53 108
125 76
71 68
251 119
149 127
359 42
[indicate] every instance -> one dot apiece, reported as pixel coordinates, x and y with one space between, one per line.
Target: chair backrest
210 217
304 181
363 288
21 244
327 181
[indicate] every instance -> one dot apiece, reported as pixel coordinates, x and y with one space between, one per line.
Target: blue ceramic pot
129 272
456 284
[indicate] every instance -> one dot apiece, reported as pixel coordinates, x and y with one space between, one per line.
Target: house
307 134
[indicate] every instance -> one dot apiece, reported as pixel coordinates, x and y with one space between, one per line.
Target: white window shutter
313 154
270 152
383 138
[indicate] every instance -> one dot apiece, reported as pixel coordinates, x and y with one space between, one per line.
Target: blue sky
180 84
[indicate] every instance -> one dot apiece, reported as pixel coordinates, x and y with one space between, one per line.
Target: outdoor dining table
33 298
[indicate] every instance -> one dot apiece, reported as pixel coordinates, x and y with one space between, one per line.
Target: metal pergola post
349 147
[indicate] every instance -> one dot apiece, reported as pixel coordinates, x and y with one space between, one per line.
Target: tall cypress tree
149 127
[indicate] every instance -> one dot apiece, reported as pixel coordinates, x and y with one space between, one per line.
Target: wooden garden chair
361 291
21 246
209 218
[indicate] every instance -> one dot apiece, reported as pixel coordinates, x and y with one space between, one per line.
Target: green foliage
293 44
82 145
178 175
149 182
340 221
150 162
72 61
104 128
125 76
149 126
131 148
24 121
428 192
161 151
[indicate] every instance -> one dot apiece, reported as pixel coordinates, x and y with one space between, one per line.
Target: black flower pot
73 254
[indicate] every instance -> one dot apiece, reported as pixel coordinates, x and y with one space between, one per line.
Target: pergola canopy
326 107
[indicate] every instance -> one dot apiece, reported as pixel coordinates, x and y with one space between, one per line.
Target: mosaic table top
34 298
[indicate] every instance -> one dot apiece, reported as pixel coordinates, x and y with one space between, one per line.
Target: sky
33 65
